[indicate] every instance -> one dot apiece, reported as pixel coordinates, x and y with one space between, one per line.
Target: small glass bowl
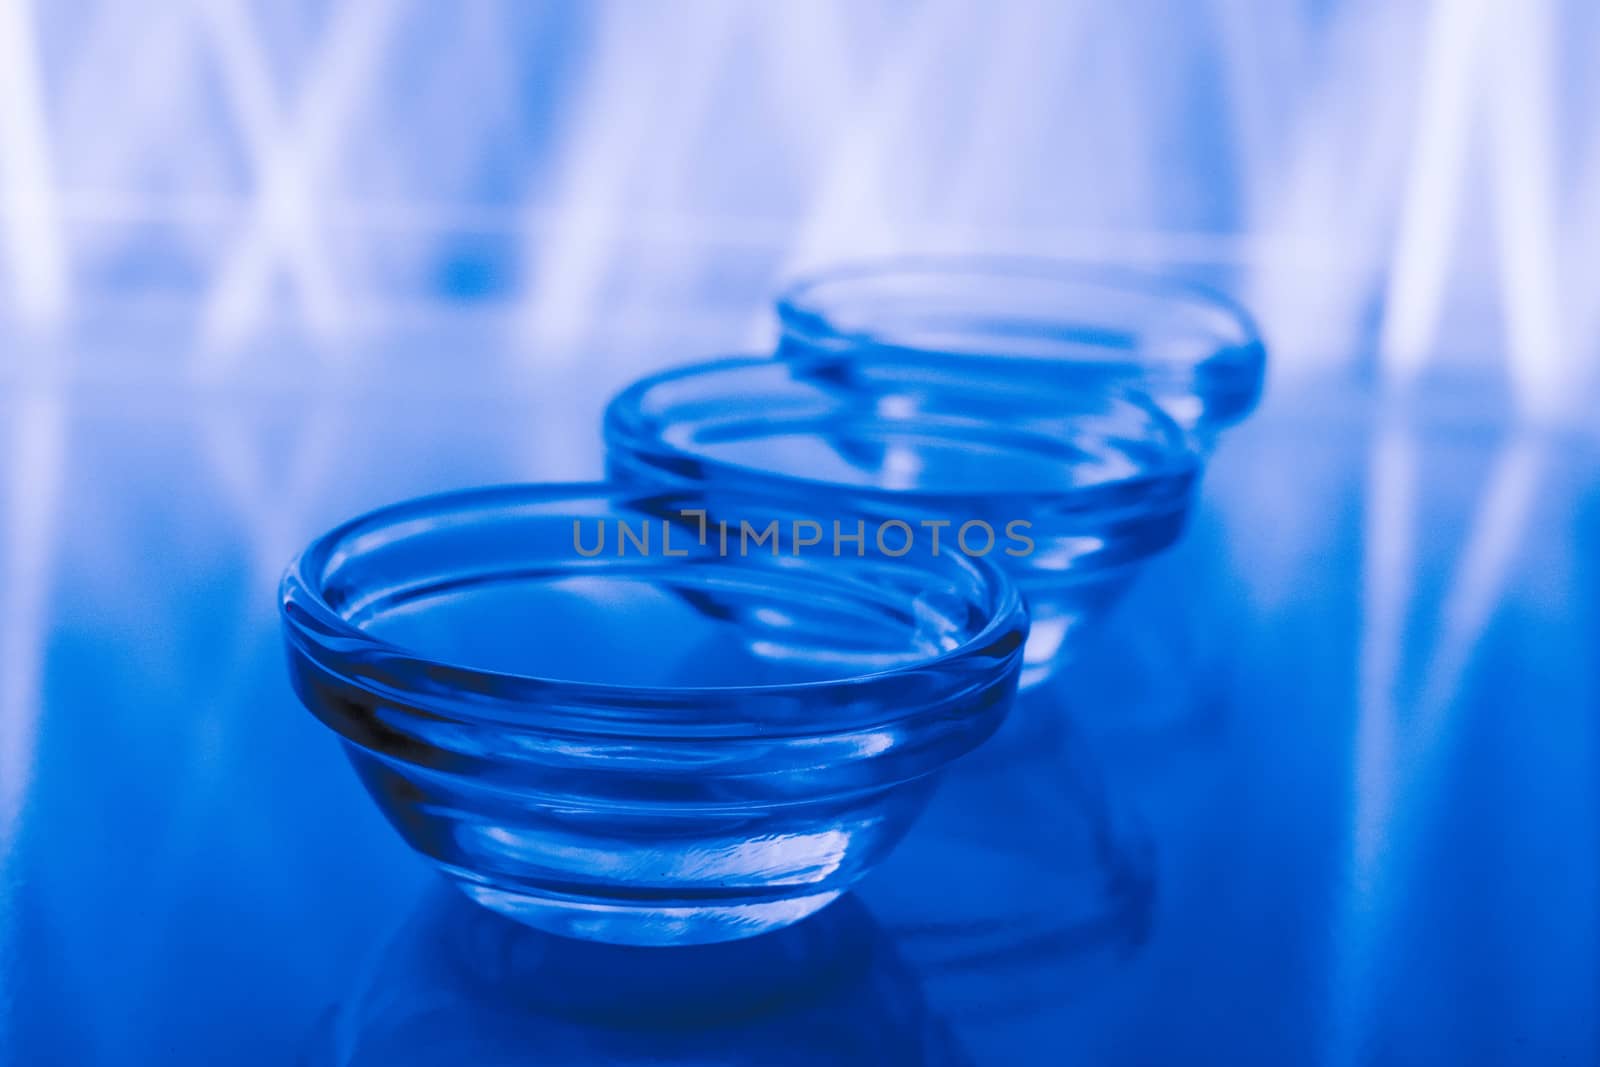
988 323
1070 485
666 744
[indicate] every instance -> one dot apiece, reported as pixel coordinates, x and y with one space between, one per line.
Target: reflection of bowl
457 985
1071 486
986 323
674 746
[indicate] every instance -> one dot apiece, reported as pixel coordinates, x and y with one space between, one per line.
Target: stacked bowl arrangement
698 701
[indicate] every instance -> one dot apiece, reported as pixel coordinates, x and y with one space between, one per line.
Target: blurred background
1400 190
266 264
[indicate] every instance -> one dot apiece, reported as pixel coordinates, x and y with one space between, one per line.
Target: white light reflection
29 220
796 857
38 447
1018 66
1389 540
1580 266
685 130
149 51
853 204
617 129
1323 223
37 456
1262 44
1521 111
272 489
289 159
1482 573
1391 755
1421 264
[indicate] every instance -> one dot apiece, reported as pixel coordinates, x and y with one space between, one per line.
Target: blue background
263 266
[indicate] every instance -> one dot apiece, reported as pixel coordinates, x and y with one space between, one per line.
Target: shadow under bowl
456 984
599 724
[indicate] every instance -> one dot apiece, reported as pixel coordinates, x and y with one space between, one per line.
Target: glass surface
1071 487
460 985
1022 324
1372 839
655 745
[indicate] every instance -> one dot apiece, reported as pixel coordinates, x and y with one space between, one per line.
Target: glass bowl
657 741
990 323
1070 485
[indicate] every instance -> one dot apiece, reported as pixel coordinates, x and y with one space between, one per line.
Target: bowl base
642 923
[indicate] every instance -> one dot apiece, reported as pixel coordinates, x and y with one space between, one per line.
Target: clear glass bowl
999 323
662 746
1071 484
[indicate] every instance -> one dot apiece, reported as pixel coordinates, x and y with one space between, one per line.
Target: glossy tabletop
1345 735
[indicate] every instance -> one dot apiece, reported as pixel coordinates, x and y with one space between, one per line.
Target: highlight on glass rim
822 531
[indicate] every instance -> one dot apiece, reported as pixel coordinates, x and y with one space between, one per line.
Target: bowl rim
631 432
803 315
535 704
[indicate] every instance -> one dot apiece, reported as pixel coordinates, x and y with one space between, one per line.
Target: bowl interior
1023 309
800 423
1023 322
650 626
618 589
